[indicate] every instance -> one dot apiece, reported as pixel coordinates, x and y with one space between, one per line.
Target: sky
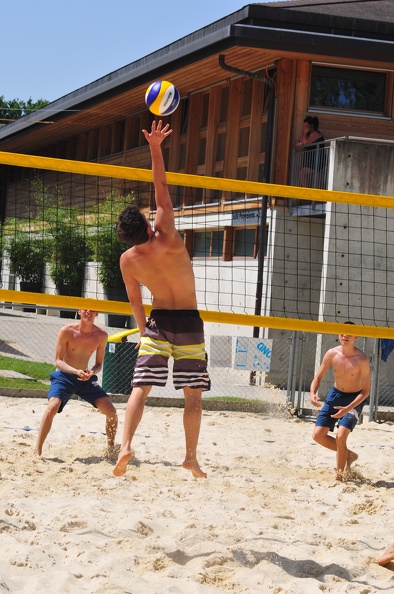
51 48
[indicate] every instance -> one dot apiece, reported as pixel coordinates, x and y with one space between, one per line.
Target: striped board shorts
178 334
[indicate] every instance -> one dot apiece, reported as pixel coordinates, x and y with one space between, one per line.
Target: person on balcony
311 141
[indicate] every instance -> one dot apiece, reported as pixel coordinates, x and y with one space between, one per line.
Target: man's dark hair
348 322
132 227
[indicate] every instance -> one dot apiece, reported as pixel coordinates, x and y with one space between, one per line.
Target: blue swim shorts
337 398
64 385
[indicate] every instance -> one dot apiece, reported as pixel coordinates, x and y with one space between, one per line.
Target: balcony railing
309 169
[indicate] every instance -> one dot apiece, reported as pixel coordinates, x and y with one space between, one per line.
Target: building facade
246 83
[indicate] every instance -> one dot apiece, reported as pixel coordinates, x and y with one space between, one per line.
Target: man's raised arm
164 220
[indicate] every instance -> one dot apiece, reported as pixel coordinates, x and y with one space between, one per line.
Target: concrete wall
358 279
358 273
297 265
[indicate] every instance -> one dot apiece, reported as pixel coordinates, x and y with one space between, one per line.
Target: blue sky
51 48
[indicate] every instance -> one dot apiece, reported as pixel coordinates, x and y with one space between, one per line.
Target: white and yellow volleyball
162 98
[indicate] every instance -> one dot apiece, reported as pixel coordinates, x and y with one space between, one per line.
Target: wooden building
225 73
246 82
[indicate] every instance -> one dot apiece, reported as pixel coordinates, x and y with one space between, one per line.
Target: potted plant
28 253
107 249
69 257
66 231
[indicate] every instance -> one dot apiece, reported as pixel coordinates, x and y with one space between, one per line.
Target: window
244 240
105 141
202 148
184 106
217 243
93 144
133 132
220 146
223 104
204 111
350 90
207 244
118 137
243 145
247 91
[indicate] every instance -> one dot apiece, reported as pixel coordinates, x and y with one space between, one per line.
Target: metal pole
374 395
295 366
301 374
377 380
291 365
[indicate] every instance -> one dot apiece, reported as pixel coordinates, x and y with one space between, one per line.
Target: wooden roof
250 39
370 10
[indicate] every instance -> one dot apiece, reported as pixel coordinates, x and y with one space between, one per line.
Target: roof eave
132 75
310 42
215 38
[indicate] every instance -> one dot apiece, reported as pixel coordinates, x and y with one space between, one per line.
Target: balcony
309 169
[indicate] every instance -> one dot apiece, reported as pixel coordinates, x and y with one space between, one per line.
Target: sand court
269 518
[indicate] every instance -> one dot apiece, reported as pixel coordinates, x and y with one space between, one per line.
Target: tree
14 109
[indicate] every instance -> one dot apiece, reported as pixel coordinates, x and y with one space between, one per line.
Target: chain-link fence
27 350
276 369
308 348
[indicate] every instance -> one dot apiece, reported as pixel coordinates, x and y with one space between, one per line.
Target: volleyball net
263 269
255 264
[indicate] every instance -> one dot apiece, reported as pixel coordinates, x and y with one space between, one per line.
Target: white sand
270 518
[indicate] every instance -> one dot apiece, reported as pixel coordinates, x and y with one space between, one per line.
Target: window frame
211 242
387 94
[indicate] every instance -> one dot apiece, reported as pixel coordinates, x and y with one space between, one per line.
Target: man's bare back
152 265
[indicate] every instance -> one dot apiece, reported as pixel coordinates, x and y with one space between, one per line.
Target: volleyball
162 98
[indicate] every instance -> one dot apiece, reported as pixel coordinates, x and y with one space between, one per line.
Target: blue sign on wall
253 354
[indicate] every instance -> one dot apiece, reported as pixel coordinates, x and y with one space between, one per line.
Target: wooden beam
286 70
255 130
301 98
232 136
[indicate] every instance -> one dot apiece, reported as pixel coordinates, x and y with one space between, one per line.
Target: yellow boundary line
197 181
215 317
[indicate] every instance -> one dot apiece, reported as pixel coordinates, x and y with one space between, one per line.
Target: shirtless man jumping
158 259
344 402
75 345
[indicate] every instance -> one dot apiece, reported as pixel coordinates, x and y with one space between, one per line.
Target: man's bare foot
339 475
112 452
351 457
387 556
195 469
121 465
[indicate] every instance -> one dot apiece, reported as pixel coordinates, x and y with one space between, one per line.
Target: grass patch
38 371
233 399
21 384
